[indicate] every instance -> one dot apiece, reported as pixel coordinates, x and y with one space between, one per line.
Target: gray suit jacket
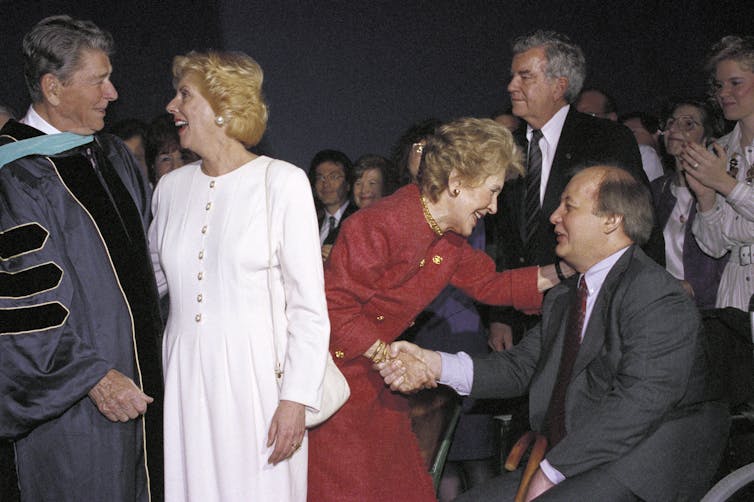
639 399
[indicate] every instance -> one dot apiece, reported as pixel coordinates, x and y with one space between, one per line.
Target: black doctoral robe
77 298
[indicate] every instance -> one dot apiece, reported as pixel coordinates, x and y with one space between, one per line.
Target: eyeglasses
683 123
332 178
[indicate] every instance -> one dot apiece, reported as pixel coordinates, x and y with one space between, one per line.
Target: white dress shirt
325 229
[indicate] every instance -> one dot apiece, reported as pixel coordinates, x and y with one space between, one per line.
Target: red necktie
555 417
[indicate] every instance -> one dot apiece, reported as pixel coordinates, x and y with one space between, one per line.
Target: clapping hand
706 172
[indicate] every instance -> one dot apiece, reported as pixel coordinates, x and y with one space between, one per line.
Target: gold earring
456 192
219 120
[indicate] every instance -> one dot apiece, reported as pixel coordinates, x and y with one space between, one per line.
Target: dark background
353 75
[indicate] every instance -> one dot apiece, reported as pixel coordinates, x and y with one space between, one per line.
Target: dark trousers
592 485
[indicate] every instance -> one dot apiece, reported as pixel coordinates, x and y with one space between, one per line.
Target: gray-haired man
80 381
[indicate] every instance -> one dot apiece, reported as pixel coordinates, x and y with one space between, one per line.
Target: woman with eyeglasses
689 121
721 176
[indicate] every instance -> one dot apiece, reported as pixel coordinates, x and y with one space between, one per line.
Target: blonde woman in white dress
231 433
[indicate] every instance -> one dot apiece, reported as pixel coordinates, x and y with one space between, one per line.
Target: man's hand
118 398
410 368
688 288
500 337
286 430
326 251
538 485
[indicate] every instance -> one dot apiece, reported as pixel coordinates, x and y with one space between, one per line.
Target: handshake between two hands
408 368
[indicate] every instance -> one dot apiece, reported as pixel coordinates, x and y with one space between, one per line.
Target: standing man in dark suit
615 370
547 74
331 176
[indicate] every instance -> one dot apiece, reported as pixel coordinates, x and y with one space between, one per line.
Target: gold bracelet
381 353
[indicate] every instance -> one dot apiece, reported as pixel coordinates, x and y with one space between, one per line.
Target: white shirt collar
597 273
339 213
33 119
552 128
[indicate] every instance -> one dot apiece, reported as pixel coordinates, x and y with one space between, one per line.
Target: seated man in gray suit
615 370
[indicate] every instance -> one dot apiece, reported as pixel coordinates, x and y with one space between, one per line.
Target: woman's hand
286 430
705 195
708 168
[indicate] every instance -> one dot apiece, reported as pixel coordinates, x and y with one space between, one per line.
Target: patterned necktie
555 417
533 177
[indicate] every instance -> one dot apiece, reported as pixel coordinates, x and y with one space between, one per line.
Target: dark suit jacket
583 140
640 403
350 209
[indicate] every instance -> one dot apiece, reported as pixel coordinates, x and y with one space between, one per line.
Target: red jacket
385 268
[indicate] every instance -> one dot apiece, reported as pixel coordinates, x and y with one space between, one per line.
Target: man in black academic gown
80 384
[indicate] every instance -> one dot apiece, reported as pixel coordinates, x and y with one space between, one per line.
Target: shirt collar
553 127
35 120
597 273
339 213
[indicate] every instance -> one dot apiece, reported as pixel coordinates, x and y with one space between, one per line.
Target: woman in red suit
389 262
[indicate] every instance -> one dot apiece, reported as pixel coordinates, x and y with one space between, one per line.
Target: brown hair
475 148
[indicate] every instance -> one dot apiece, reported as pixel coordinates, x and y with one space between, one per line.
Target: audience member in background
331 176
390 261
547 73
369 179
688 121
162 148
233 431
597 103
6 113
133 132
507 119
721 177
645 126
407 152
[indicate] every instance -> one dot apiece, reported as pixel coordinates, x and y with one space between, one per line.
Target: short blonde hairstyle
232 84
475 148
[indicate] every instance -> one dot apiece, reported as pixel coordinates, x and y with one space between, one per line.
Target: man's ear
560 88
51 87
612 223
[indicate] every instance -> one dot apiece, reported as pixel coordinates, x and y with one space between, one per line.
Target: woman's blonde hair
232 84
475 148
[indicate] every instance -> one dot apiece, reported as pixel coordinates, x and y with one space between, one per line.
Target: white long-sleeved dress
209 247
729 226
